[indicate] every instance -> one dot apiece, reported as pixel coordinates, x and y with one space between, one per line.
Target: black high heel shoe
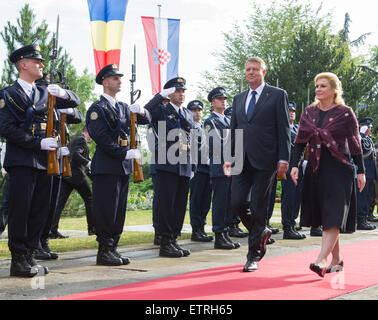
320 271
336 268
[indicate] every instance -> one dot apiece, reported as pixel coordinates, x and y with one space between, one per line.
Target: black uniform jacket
23 124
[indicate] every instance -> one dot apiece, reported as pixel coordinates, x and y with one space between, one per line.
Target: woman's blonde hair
335 84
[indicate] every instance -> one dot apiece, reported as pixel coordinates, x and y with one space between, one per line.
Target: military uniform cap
292 105
228 112
45 80
177 82
366 122
107 71
195 104
29 51
218 92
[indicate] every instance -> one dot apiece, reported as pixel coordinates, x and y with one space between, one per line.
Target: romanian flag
107 20
162 40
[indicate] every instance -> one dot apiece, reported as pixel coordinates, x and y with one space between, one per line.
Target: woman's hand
361 181
294 175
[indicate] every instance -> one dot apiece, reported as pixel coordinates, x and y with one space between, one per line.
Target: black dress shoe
236 232
318 270
290 233
125 260
337 268
56 235
20 267
372 218
274 230
362 224
167 249
235 244
221 242
316 231
105 257
270 241
251 266
265 235
186 252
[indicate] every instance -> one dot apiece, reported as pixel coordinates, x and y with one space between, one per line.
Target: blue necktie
117 106
251 105
181 112
32 94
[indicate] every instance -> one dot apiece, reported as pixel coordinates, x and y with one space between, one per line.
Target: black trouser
155 209
28 207
222 214
364 199
4 204
200 199
84 189
172 192
258 183
109 207
291 199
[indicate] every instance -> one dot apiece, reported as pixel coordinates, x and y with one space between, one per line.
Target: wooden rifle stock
138 172
63 141
52 159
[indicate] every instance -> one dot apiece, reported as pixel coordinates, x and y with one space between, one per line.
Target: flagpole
159 41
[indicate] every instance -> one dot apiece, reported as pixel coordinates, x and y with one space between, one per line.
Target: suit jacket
24 126
173 121
107 127
266 137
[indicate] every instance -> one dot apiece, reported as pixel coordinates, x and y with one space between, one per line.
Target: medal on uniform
2 103
94 115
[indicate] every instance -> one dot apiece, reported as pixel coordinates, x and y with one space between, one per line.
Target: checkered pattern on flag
162 41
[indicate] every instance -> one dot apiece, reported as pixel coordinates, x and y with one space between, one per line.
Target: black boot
157 239
221 242
235 244
186 252
316 231
198 235
29 256
167 249
207 236
20 267
235 231
106 258
46 248
290 233
56 235
362 224
125 260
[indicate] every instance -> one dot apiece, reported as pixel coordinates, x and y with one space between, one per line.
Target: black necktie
117 106
181 112
32 94
251 105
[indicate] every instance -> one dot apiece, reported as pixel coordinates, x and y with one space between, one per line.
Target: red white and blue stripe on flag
162 40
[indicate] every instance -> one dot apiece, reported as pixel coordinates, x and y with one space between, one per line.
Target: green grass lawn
139 217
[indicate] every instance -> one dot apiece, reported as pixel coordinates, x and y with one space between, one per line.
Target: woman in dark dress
331 131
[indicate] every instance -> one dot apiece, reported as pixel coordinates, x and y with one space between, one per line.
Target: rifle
134 96
63 127
52 160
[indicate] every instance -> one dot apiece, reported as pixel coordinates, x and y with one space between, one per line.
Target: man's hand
67 111
63 151
294 175
57 91
133 154
361 181
49 144
136 108
166 92
227 169
282 168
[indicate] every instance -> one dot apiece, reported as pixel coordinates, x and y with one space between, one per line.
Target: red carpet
281 278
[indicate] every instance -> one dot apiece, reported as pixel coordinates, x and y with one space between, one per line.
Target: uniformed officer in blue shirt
200 188
369 155
23 122
217 126
108 124
172 123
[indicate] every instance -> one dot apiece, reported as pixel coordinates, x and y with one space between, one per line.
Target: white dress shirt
258 94
26 86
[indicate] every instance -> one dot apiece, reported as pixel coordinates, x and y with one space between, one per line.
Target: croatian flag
162 40
107 21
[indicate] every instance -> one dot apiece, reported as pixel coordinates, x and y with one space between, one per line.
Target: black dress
329 195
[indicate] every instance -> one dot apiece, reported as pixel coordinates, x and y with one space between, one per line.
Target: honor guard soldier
23 117
108 124
173 170
200 188
217 127
369 155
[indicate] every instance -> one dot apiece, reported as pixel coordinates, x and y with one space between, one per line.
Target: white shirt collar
259 89
219 115
26 86
111 100
177 108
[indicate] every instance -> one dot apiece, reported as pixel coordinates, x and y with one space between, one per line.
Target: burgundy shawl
339 133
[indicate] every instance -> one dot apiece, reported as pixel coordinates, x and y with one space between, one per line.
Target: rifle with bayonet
134 96
52 160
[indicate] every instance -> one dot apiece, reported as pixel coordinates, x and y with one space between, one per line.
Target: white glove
67 111
49 144
57 91
136 108
363 129
166 92
63 151
133 154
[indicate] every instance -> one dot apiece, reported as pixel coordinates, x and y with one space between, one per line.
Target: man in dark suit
172 123
262 114
23 118
108 123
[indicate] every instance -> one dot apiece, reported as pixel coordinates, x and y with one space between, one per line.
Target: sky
203 23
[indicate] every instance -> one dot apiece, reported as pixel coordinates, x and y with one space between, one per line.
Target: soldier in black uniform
23 116
172 162
217 127
369 155
108 124
200 188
